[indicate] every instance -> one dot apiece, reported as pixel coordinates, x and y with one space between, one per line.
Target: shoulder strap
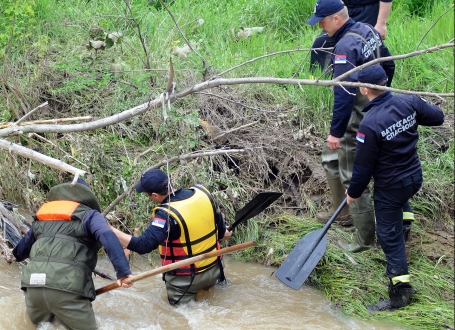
378 53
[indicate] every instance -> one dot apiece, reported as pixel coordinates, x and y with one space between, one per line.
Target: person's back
187 222
62 245
386 150
390 124
195 217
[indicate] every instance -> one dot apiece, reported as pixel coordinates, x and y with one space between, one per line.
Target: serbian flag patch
340 59
360 137
158 222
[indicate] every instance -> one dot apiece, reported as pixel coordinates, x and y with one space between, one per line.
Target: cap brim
314 19
355 75
139 188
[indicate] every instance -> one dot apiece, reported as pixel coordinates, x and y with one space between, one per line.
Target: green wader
179 289
340 163
72 310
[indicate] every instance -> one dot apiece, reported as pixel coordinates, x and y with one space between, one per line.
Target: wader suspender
378 54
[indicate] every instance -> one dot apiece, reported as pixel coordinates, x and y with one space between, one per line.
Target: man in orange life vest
62 244
186 223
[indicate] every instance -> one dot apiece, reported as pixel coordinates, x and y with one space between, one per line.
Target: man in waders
386 150
186 223
373 12
356 43
62 245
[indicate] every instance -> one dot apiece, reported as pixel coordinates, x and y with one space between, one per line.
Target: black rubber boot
400 294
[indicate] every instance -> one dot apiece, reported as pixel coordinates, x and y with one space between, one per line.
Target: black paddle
305 256
255 206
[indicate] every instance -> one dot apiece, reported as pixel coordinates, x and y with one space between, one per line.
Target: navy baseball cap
153 181
324 8
373 74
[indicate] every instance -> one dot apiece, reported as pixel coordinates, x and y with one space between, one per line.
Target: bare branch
264 56
46 160
236 129
178 28
426 33
44 121
185 157
30 112
395 57
136 159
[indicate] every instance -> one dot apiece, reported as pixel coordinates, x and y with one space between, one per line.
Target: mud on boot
337 192
400 294
343 219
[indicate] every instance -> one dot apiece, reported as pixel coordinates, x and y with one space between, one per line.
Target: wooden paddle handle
176 265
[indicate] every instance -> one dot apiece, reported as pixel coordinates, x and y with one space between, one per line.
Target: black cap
373 74
324 8
153 181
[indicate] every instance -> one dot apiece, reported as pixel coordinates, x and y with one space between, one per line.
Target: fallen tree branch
46 160
220 82
395 57
46 121
30 113
236 129
185 157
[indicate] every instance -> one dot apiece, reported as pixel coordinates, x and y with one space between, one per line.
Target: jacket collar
342 30
378 100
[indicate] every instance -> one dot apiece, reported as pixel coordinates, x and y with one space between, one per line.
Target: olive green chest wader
63 257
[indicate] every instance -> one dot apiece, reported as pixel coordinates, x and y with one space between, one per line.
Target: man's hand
227 235
120 282
382 29
333 142
127 253
349 199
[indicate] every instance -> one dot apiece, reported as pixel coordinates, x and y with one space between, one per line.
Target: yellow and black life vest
198 231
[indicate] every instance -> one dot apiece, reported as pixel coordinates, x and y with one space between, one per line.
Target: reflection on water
253 299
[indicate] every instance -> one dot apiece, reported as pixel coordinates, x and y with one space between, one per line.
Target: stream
253 299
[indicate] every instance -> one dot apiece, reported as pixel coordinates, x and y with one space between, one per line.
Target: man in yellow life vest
186 223
62 245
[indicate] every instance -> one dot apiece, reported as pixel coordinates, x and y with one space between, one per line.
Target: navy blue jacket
349 52
387 138
154 235
352 3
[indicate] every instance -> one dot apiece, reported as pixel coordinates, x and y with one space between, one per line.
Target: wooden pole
176 265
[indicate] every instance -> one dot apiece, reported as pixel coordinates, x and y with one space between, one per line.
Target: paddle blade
301 249
255 206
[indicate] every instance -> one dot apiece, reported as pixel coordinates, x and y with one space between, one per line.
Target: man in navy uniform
386 150
356 43
373 12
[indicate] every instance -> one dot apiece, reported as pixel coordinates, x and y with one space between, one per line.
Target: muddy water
253 299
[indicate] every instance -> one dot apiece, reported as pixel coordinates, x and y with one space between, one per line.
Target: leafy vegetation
68 55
